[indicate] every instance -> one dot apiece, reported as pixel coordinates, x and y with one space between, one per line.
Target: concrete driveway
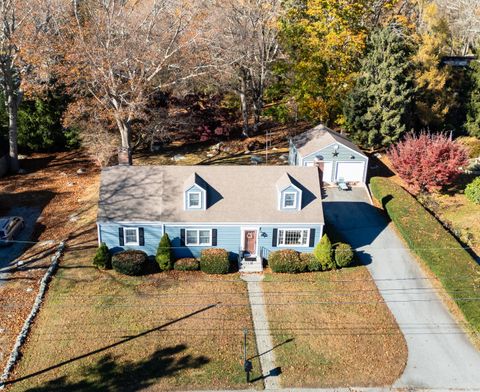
440 355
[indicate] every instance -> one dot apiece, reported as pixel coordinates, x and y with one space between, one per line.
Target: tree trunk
12 108
13 97
257 112
125 151
244 101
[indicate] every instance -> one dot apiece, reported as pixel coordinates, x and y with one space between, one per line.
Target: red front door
251 242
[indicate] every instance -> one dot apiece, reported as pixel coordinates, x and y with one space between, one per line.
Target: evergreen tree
473 107
164 254
378 110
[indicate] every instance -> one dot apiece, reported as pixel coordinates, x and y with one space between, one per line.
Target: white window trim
198 237
136 243
295 205
307 243
190 207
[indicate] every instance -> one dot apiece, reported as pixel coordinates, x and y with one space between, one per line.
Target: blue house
336 156
247 210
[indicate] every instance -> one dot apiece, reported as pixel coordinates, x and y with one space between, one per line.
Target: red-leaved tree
428 163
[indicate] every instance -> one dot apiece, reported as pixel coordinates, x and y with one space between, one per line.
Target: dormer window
195 193
194 200
289 200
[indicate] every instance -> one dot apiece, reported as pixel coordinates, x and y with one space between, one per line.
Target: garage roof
320 137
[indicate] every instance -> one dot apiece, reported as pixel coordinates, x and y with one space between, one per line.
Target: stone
70 183
284 157
256 159
178 157
210 155
81 171
247 152
21 156
29 290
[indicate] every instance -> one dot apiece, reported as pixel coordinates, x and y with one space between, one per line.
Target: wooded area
113 73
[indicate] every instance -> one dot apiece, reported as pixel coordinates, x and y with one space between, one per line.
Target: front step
250 265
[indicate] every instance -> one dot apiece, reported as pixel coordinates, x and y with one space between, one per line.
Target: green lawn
101 331
325 340
437 248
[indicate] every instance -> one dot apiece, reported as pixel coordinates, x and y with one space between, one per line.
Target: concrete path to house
440 355
262 331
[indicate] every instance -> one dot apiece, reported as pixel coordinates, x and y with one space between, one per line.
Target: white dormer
195 196
289 194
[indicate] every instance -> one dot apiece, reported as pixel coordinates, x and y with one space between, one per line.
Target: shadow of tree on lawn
109 375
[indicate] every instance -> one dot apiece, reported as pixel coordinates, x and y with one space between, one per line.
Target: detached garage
333 153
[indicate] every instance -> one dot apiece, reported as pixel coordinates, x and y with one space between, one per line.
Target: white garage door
350 171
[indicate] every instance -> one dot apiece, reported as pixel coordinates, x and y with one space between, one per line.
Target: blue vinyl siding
228 237
152 235
344 154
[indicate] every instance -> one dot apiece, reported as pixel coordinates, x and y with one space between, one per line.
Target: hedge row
437 248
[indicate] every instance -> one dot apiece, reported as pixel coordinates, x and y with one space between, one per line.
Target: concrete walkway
260 325
440 355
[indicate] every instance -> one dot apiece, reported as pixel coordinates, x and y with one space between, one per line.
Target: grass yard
461 215
325 337
101 331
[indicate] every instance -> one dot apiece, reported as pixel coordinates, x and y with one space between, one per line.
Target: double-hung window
293 237
194 200
131 236
290 200
198 237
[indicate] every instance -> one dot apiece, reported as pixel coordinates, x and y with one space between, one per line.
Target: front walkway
262 330
440 355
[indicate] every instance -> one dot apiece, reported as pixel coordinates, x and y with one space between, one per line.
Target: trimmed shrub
472 191
214 261
343 255
187 264
164 254
323 253
450 262
130 262
311 262
286 261
102 259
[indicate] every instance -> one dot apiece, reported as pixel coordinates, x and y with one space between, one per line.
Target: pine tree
378 110
473 114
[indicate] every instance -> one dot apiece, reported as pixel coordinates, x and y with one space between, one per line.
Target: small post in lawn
247 365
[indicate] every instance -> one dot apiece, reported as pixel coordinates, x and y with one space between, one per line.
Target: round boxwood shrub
310 261
187 264
130 262
286 261
102 258
214 261
343 255
164 254
472 191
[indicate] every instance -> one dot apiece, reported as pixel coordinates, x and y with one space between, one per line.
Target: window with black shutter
121 240
274 238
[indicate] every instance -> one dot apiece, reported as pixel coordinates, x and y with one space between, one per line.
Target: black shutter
141 237
214 237
182 237
312 238
121 240
274 238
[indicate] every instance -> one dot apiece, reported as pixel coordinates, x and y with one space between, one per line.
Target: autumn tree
435 96
249 47
117 54
428 162
17 26
378 110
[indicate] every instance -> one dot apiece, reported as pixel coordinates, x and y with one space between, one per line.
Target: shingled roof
235 194
317 138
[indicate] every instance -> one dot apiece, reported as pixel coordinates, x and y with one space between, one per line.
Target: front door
250 242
